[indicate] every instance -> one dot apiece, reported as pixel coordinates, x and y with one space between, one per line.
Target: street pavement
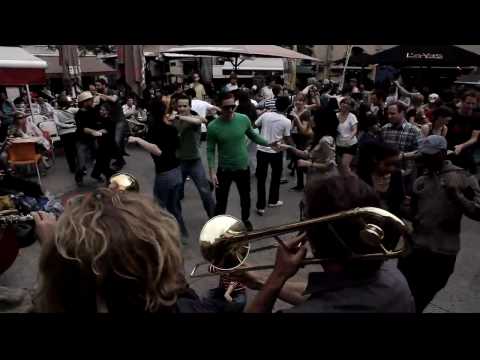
462 293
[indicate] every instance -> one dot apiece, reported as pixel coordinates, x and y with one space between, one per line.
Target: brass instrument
225 243
9 217
123 181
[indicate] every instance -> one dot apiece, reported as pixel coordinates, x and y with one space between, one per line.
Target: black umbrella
427 55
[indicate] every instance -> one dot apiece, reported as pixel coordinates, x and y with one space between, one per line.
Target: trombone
225 244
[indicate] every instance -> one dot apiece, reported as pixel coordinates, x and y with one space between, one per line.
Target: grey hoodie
439 201
65 121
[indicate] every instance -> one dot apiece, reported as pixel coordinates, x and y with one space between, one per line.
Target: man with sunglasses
227 132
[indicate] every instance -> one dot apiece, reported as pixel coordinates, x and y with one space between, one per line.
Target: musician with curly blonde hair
113 252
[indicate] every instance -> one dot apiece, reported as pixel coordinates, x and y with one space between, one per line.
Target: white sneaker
279 203
260 211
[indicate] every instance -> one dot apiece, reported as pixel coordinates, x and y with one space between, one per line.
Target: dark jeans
196 171
264 160
69 146
427 273
225 179
121 136
102 162
166 189
301 144
85 155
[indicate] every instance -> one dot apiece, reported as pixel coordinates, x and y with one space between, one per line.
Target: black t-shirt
116 107
87 118
167 139
460 129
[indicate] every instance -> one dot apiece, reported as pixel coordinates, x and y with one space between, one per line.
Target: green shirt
229 137
189 140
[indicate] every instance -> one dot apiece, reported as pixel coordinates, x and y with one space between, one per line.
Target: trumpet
225 244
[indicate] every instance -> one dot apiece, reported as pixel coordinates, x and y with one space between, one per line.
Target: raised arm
147 146
287 263
404 91
111 98
193 119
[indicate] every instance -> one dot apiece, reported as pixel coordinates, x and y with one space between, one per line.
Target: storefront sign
424 56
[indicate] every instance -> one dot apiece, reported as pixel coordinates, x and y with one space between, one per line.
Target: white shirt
201 107
345 131
128 111
275 127
229 87
266 93
32 130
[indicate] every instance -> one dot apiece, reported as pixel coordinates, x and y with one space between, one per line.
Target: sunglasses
228 107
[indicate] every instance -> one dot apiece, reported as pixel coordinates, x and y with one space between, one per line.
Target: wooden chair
24 153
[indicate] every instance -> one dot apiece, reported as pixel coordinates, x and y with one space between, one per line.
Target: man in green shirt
189 129
227 132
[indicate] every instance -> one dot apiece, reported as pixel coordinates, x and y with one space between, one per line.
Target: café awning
91 66
238 53
427 56
18 67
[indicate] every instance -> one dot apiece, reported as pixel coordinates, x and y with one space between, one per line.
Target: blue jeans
196 171
166 189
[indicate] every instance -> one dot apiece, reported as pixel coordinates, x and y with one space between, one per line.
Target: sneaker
279 203
283 181
260 212
248 225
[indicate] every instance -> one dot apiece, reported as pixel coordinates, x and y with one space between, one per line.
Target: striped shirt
268 104
226 281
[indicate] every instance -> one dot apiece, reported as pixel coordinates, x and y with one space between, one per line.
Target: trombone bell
225 243
124 182
215 246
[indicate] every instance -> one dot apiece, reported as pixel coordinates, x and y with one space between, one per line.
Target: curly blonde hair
120 247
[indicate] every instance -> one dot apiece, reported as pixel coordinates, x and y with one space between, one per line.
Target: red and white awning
18 67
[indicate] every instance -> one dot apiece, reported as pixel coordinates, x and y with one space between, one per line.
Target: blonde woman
112 252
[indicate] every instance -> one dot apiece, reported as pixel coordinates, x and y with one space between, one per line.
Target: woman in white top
25 128
347 134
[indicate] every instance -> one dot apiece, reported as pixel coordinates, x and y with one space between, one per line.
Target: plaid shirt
404 137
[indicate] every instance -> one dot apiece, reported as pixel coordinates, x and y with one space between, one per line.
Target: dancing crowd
387 148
